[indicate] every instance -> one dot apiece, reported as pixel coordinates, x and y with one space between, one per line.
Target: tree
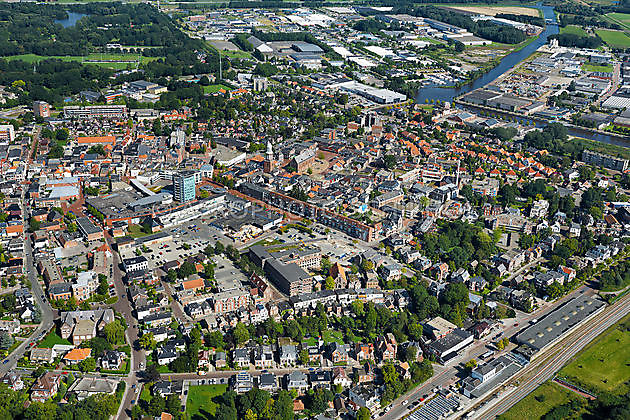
215 339
303 357
6 340
87 365
98 345
240 333
114 332
330 283
147 341
186 270
470 365
364 414
103 285
151 373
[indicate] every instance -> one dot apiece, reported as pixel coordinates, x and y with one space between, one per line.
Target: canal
506 64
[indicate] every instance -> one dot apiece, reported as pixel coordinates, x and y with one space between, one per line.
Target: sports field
614 39
605 364
114 61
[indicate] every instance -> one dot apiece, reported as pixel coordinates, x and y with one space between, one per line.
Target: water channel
507 63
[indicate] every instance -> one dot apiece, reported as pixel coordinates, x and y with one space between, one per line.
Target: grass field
199 402
549 395
113 61
51 339
615 39
135 231
573 29
215 88
621 18
604 365
594 67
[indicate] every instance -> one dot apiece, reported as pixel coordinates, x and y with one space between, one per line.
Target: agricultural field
603 366
540 402
574 30
492 11
621 18
614 39
199 404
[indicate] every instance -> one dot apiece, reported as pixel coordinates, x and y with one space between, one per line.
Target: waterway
506 64
71 20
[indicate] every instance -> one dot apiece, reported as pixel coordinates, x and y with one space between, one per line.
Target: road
48 315
123 306
546 367
615 84
445 376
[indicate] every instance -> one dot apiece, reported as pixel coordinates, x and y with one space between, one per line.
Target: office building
41 109
184 186
7 133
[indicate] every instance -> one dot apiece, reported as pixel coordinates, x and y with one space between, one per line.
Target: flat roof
558 322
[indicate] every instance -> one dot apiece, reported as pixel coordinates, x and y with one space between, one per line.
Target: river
507 63
71 20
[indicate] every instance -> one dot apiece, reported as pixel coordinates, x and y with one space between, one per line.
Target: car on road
405 402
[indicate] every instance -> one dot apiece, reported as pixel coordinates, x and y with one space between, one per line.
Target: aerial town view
299 209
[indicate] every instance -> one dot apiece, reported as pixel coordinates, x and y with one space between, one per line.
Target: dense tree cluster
483 29
579 41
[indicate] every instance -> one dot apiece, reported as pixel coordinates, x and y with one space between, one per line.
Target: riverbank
592 134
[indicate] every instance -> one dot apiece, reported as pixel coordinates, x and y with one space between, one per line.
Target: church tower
268 163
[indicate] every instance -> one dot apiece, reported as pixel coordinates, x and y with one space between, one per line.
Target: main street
544 368
47 313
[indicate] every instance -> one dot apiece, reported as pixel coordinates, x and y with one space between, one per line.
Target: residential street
48 315
123 306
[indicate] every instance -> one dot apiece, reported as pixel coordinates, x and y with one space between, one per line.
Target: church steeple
268 163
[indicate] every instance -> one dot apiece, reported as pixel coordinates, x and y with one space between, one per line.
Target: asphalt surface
546 367
48 314
123 306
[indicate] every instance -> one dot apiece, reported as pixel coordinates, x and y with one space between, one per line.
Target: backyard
199 404
51 339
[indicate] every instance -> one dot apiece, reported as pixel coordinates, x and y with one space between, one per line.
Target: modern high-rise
41 109
184 186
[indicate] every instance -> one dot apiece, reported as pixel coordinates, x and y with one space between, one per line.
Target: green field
51 339
594 67
114 61
135 231
604 365
573 29
621 18
215 88
549 395
199 404
614 39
